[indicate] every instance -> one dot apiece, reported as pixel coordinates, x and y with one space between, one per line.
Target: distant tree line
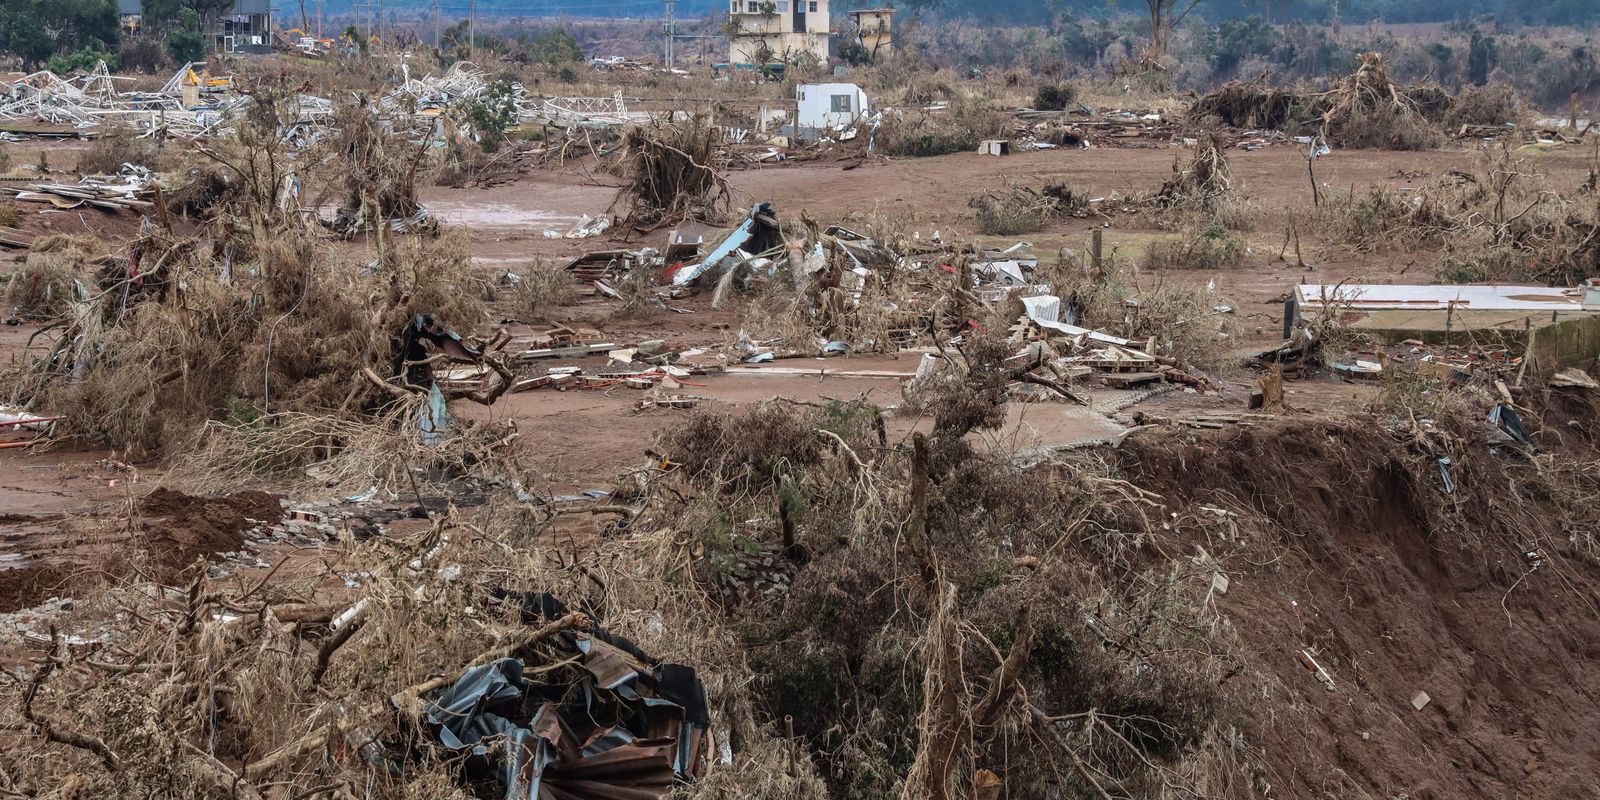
70 35
1359 12
34 31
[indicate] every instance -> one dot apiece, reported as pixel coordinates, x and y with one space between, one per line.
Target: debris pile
1084 128
1365 109
43 104
130 190
815 291
380 178
1205 183
1073 354
612 721
673 173
402 654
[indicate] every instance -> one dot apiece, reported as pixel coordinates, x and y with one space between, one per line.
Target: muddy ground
580 439
1511 678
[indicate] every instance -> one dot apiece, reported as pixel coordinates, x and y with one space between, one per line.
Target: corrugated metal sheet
622 728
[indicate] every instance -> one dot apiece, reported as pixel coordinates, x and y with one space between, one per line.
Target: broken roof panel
1044 311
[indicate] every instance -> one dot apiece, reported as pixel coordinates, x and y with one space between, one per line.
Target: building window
735 8
841 104
813 8
783 6
752 7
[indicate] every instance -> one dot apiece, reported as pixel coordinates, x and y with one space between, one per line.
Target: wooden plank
567 352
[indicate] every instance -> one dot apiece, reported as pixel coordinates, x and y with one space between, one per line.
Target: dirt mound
178 528
173 527
1476 598
26 586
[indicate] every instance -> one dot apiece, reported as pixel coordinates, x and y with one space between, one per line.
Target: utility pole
472 27
669 30
438 37
319 19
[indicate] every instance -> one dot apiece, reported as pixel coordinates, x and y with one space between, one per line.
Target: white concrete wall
815 101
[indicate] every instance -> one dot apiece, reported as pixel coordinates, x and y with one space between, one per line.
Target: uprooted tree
1363 109
673 172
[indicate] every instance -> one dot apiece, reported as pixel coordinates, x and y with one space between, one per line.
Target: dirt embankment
177 528
1348 546
170 528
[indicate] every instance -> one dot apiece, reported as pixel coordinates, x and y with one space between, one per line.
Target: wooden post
1311 172
161 207
788 727
1574 112
1096 249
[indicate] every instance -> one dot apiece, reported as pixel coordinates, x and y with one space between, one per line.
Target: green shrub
1055 97
82 61
184 41
493 113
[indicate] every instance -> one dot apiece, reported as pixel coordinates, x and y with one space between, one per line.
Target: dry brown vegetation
146 357
920 132
674 172
878 608
541 288
1497 222
56 272
1024 209
109 151
251 316
1366 109
1210 248
944 645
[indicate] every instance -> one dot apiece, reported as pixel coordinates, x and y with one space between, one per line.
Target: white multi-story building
765 31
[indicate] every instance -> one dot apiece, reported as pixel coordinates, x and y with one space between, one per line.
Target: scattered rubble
190 105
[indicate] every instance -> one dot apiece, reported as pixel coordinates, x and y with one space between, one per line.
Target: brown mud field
905 535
